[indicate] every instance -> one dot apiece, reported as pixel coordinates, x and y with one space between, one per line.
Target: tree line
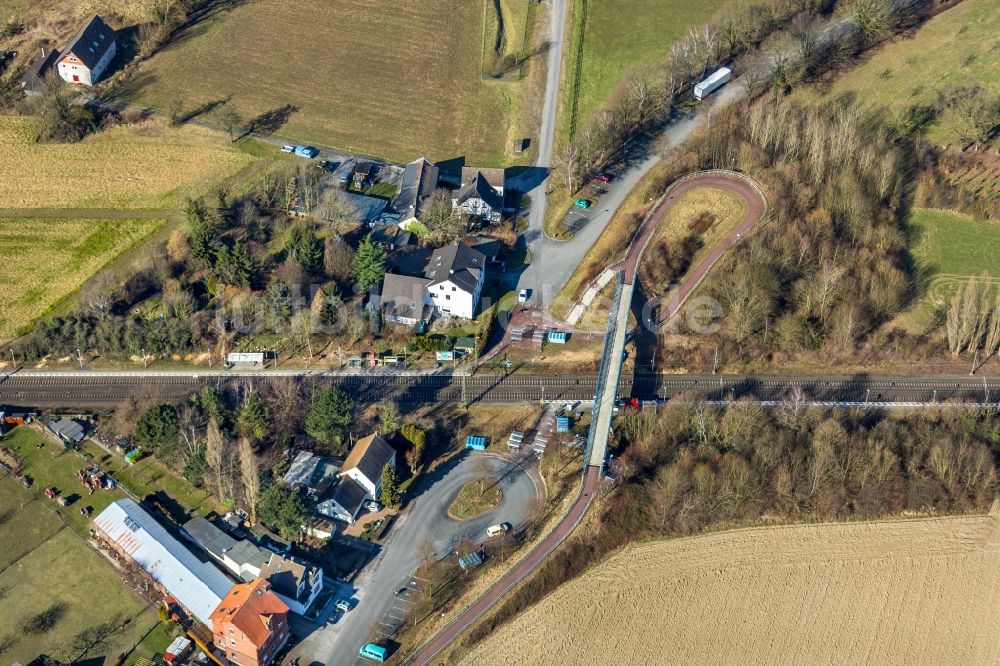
780 43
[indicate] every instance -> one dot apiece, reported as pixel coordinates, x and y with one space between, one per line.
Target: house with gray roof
420 179
404 299
87 57
296 583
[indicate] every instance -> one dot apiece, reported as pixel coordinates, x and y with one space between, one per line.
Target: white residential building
87 57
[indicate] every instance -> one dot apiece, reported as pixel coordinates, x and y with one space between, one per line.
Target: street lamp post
79 357
13 363
143 357
543 393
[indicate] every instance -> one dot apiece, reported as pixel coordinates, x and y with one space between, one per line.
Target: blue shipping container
475 442
558 337
562 424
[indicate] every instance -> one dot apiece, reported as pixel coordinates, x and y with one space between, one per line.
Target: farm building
296 583
420 179
87 57
132 532
250 625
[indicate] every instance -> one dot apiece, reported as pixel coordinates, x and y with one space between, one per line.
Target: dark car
328 166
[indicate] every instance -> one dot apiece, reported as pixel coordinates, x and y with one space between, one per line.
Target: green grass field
56 568
620 34
396 80
959 46
50 465
948 249
43 261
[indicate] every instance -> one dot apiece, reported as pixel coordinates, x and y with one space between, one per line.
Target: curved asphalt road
592 476
426 519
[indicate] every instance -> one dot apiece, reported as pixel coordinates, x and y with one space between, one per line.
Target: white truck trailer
717 79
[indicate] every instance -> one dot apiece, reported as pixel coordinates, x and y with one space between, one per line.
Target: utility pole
143 357
975 362
715 365
13 363
464 401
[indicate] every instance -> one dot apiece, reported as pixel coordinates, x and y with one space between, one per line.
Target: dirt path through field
892 592
87 213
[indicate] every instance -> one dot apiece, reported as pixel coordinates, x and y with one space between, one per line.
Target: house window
454 289
447 297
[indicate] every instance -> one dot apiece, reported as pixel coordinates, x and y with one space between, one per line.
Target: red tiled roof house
250 625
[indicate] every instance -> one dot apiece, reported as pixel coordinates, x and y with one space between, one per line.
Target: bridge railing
605 367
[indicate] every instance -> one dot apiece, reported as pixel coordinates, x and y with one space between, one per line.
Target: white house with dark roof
481 194
457 273
89 54
365 462
452 284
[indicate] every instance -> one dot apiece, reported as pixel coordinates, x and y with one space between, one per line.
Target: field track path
87 213
756 208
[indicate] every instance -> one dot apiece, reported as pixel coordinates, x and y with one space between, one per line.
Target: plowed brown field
889 592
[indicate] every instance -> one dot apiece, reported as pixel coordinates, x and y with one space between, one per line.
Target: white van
494 530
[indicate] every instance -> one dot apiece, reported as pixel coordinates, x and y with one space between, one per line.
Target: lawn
395 80
619 35
49 465
145 166
27 517
476 498
44 260
948 248
959 46
64 573
149 475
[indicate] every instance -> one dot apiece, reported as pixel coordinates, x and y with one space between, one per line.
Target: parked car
523 295
328 166
287 149
345 178
500 528
373 652
373 506
582 203
306 151
603 178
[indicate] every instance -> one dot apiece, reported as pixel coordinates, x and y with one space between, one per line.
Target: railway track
102 391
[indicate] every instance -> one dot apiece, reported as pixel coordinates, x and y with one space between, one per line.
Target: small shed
562 424
558 337
68 430
476 443
133 456
465 344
